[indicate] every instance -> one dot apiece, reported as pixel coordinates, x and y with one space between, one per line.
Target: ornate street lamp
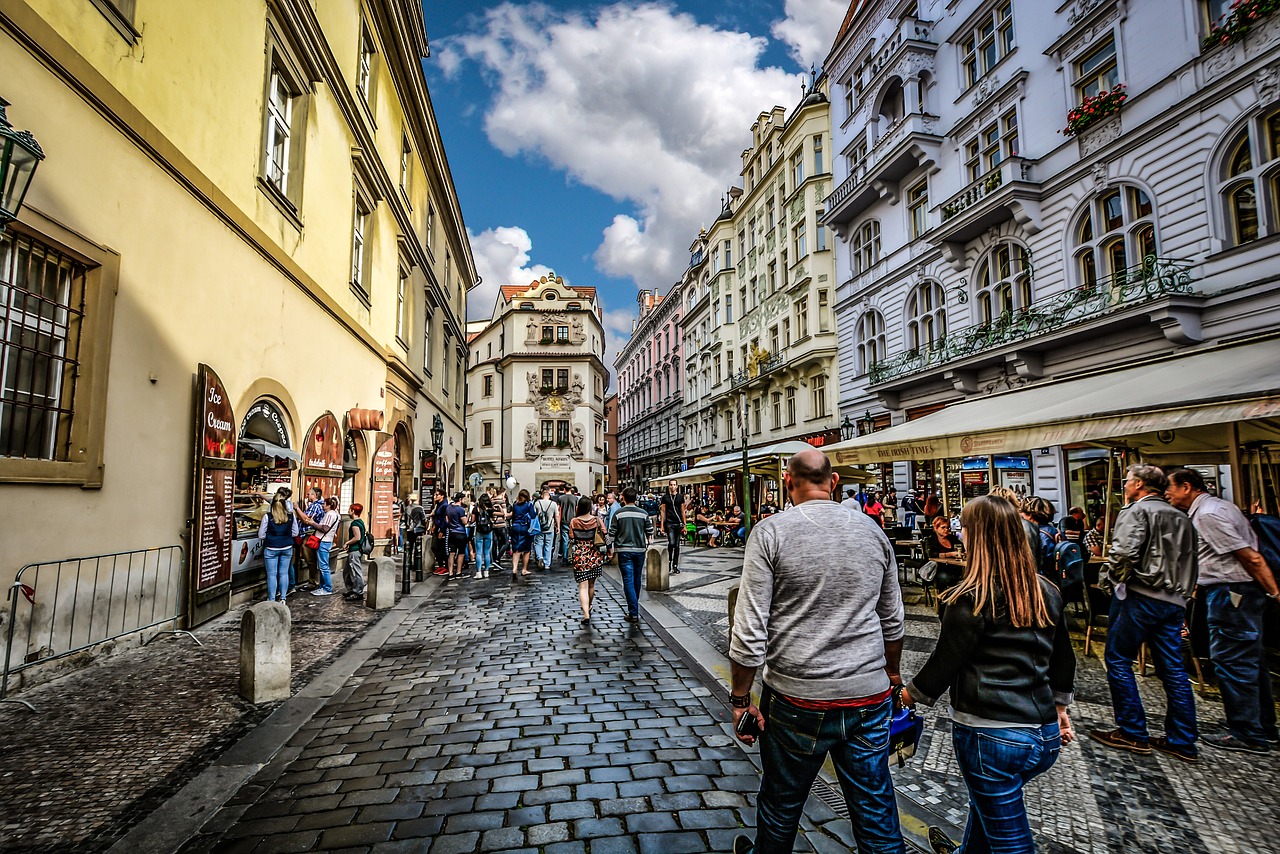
20 154
868 423
437 446
848 429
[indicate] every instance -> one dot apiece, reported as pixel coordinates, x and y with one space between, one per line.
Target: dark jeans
631 564
1235 645
996 764
675 533
793 747
1136 620
501 542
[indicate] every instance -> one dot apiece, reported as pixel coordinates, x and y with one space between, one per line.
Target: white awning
1210 387
762 460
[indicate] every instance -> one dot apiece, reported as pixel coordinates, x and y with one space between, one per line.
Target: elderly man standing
819 606
1235 583
1154 570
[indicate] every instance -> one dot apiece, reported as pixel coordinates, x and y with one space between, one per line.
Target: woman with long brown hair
1005 655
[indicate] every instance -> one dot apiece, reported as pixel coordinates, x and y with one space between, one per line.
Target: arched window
926 316
1116 231
1002 283
1250 181
871 340
892 103
865 251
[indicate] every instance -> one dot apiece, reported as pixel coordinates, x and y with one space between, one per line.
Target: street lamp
20 154
848 429
868 423
437 443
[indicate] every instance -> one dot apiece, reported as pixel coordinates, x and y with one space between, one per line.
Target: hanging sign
382 518
215 482
322 455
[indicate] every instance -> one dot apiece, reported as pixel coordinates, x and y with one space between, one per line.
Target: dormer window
574 306
549 295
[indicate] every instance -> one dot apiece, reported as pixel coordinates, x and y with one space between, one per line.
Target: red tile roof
855 6
510 292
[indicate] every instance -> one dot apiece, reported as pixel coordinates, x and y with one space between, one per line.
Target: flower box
1095 108
1244 15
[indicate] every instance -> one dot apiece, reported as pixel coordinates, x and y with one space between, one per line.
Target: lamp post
746 468
868 423
437 443
20 154
848 429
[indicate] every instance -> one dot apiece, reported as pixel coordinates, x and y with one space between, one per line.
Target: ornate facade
650 442
1027 192
535 388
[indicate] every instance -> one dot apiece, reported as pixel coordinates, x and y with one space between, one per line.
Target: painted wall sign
382 518
215 481
264 421
322 456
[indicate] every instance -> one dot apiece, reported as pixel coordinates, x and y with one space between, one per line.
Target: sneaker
742 844
292 590
675 570
1228 741
443 571
940 842
1187 753
320 591
1115 738
634 619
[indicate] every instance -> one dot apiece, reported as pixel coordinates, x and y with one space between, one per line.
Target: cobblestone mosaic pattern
109 743
494 721
1094 800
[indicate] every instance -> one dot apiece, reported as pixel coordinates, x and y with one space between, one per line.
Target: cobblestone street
1094 800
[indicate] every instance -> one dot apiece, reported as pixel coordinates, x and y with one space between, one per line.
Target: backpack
1070 563
1047 558
366 539
484 523
546 513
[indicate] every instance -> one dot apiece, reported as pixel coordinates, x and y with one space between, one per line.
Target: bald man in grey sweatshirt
820 609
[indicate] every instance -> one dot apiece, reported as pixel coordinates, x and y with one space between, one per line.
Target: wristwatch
740 701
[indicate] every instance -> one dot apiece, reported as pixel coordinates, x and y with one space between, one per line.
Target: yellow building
258 187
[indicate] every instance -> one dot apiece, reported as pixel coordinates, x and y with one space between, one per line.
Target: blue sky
595 139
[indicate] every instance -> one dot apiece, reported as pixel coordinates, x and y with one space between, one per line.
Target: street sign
475 479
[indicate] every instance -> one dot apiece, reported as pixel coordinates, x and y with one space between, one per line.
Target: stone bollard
733 606
266 660
380 585
657 573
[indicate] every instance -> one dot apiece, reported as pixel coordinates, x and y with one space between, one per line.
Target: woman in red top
874 509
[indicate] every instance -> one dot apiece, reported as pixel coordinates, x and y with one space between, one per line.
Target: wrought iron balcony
1152 279
745 376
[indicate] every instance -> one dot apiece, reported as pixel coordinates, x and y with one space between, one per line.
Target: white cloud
640 102
809 29
502 258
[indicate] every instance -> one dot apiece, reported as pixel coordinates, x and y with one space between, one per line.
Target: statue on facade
577 436
534 388
531 444
532 326
577 329
579 389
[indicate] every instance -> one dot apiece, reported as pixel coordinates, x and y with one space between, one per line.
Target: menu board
382 520
322 456
215 482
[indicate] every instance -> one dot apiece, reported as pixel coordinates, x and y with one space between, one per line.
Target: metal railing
78 603
1152 279
745 375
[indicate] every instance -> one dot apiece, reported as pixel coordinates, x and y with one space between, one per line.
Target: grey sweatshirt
818 600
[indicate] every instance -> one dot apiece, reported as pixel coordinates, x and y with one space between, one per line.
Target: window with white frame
1097 71
824 310
364 79
918 209
431 226
791 405
486 385
821 243
401 285
802 316
798 244
1002 284
819 165
486 434
926 316
987 43
728 308
728 253
444 363
797 167
871 339
1249 185
865 247
428 317
359 249
406 158
818 393
281 163
992 145
1116 230
775 401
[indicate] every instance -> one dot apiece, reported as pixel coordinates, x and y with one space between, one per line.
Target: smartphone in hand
748 725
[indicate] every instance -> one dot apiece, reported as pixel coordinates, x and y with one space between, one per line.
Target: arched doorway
404 461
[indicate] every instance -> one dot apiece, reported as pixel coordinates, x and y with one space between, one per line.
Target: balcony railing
1152 279
879 155
774 361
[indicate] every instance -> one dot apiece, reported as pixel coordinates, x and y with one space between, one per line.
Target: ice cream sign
218 435
322 452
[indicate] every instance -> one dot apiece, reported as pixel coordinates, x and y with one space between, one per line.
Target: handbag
905 729
312 541
535 525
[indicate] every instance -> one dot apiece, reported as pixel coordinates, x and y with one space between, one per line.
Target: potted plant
1094 108
1233 26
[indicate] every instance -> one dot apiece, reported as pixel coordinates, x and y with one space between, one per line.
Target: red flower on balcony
1235 24
1096 107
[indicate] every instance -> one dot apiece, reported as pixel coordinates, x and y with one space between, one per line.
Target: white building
535 388
986 247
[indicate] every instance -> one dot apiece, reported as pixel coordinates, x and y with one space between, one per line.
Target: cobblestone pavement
109 743
1095 799
492 720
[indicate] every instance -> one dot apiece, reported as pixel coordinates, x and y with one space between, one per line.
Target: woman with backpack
482 524
1005 655
522 516
353 575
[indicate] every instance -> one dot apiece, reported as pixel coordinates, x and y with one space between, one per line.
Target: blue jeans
1136 620
566 546
996 764
631 564
542 547
322 560
279 567
793 747
1235 645
484 550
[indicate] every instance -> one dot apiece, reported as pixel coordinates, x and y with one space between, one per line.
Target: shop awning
269 450
761 461
1212 387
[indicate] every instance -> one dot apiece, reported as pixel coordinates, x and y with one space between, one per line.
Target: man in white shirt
852 502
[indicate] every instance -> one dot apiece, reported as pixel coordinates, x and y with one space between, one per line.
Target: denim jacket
1154 546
